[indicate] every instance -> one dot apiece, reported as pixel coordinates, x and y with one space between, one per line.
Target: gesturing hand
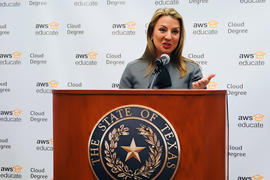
202 83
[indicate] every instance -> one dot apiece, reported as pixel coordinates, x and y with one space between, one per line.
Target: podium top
141 91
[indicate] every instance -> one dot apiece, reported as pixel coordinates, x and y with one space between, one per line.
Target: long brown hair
176 56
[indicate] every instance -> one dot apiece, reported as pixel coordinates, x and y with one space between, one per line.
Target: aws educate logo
16 112
210 24
86 59
252 121
52 84
16 169
47 29
206 28
257 55
255 177
11 116
44 145
257 117
91 55
15 55
40 141
52 25
11 172
124 29
46 86
252 59
129 25
10 59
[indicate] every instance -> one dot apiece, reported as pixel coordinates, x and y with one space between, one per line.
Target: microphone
160 61
163 60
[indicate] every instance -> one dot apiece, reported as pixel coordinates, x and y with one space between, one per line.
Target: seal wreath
119 167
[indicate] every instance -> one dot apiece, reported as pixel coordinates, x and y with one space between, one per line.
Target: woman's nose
168 36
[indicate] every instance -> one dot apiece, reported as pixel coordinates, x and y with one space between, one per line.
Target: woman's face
166 35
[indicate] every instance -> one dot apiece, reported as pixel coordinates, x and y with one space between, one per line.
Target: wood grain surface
198 117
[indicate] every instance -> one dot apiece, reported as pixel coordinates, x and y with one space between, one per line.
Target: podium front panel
198 117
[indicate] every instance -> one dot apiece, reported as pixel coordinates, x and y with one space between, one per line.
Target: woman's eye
162 29
175 31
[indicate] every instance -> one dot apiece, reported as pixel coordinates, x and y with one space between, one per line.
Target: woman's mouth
167 45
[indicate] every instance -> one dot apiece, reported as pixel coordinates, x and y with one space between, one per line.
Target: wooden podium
199 118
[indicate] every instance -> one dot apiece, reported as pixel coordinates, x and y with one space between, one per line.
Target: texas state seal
134 142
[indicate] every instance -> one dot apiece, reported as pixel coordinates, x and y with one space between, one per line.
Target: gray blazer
133 76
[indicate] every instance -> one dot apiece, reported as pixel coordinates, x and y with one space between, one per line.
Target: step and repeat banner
86 44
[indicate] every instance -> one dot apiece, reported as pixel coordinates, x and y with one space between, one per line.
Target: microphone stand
156 73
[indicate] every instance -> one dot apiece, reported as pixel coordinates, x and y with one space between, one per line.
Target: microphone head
165 58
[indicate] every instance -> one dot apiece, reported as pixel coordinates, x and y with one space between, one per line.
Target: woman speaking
163 58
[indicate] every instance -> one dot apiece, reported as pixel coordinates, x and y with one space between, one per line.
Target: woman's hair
176 56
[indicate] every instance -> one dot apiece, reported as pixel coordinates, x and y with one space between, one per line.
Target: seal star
132 150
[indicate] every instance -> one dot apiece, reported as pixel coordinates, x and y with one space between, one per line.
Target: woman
165 35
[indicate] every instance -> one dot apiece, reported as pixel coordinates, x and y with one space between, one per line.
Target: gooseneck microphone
163 60
160 61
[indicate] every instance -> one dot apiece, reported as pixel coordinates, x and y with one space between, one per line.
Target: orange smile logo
17 55
17 112
212 85
92 55
257 177
260 55
131 25
258 117
53 83
54 25
17 169
213 24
